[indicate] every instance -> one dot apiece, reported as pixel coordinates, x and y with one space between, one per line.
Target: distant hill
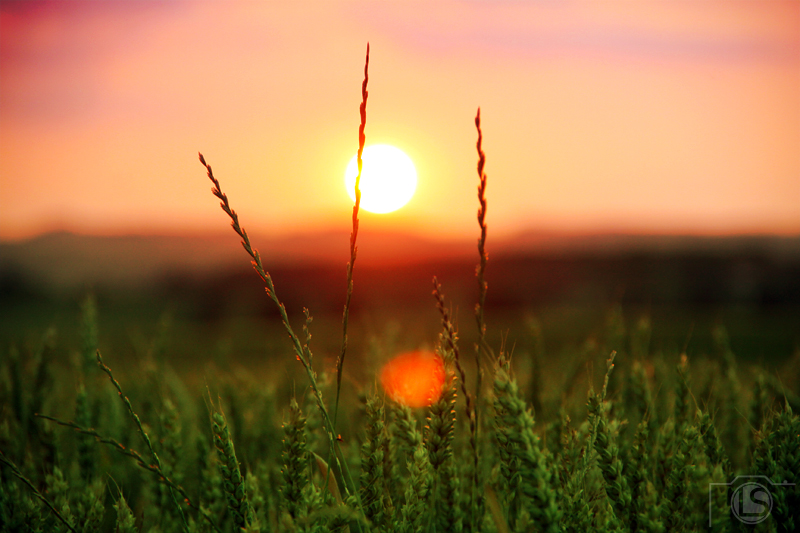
687 284
68 260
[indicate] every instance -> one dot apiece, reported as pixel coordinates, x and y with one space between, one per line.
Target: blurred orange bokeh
413 378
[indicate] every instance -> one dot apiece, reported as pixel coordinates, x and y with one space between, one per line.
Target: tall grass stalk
450 337
149 466
482 346
414 510
125 521
439 435
645 510
353 235
477 502
373 484
302 353
777 455
232 479
483 256
412 506
142 432
514 425
295 467
576 507
616 483
16 471
475 495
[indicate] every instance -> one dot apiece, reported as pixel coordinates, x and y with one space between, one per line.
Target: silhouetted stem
353 235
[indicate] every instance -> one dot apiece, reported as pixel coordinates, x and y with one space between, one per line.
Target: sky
633 117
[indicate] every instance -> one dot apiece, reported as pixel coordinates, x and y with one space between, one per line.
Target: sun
388 178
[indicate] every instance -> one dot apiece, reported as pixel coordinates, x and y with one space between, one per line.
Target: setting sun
388 178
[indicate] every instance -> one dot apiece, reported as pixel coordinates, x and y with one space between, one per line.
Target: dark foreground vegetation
554 448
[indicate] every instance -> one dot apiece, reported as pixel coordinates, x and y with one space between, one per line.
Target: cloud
683 32
53 54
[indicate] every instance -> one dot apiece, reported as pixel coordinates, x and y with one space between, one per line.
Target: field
560 401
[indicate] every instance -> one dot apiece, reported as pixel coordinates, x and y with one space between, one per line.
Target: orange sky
612 116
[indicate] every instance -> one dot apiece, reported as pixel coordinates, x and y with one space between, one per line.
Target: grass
663 446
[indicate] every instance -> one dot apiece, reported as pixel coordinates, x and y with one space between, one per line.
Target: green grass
518 440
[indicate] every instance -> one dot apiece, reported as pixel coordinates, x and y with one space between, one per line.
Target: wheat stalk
125 522
644 513
130 452
483 257
451 339
232 479
295 462
353 234
605 444
142 432
372 465
577 512
14 470
515 423
301 353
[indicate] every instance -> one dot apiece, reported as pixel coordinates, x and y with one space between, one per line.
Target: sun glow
413 378
388 178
